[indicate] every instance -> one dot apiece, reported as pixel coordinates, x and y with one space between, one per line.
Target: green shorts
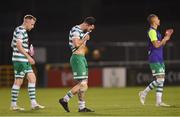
79 67
157 69
21 68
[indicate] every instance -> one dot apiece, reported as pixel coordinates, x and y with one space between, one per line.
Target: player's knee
83 86
31 78
18 81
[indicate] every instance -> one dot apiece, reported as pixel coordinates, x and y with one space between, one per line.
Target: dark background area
117 21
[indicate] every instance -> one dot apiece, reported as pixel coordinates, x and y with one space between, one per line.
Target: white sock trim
31 85
15 87
81 104
158 97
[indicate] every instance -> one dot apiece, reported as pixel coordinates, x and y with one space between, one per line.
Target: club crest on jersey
153 71
75 73
161 70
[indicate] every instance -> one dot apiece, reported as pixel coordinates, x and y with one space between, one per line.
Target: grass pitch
105 102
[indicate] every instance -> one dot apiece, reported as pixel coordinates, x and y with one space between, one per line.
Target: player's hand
169 32
31 50
93 27
31 60
87 37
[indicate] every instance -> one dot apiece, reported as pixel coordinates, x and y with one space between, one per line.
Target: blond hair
29 17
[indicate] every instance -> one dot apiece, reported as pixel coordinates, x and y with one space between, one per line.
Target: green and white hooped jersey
75 32
21 34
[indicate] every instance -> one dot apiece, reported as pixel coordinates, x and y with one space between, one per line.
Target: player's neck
154 26
23 25
82 26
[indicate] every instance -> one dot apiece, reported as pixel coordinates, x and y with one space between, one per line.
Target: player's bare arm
158 44
77 42
21 49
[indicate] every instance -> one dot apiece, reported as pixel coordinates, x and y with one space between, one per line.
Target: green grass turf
105 101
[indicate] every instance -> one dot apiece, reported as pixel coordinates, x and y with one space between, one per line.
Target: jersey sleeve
19 36
76 34
152 35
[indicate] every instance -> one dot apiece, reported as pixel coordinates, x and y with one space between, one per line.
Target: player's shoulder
76 29
152 30
20 29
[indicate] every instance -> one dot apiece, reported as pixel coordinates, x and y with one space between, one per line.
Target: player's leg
81 97
19 75
83 87
142 94
64 101
72 92
14 94
81 94
77 89
155 72
32 87
83 84
79 73
159 89
75 62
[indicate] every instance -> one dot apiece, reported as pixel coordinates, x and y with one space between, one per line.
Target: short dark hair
149 18
29 17
90 20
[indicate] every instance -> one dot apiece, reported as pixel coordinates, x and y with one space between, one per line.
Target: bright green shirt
152 35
